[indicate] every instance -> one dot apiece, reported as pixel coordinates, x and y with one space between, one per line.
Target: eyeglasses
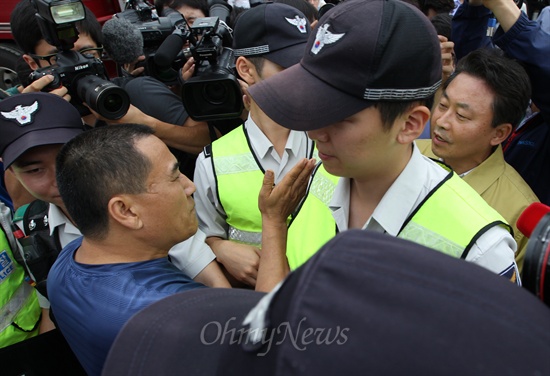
96 52
51 59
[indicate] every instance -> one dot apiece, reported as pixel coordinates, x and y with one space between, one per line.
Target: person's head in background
311 13
442 24
482 103
33 127
190 9
432 7
162 7
137 187
267 39
36 51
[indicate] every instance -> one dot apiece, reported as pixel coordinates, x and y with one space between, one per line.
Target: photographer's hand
447 57
41 83
131 68
188 69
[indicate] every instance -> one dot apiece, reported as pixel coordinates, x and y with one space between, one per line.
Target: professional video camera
214 92
83 75
154 30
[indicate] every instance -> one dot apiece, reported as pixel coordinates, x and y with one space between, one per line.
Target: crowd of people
403 118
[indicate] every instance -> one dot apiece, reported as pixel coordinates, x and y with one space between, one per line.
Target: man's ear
246 70
414 121
501 133
123 210
30 62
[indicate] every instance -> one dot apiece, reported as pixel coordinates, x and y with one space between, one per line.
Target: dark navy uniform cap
35 119
366 303
276 31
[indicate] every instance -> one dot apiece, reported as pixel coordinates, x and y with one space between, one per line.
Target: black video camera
155 30
82 74
214 93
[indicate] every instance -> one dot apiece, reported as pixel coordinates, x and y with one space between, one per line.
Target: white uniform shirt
212 217
494 250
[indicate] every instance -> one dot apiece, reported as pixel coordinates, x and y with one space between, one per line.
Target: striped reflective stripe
246 237
322 188
422 235
10 310
235 164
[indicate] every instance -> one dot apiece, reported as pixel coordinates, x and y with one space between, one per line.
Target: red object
530 217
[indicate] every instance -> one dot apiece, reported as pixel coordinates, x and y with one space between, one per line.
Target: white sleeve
211 216
193 255
42 300
495 250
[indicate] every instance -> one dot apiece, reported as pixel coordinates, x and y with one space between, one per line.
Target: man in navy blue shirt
123 189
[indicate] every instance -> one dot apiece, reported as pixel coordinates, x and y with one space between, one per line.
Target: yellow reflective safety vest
451 218
19 308
239 178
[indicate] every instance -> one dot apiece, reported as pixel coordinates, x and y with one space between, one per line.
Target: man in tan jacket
480 105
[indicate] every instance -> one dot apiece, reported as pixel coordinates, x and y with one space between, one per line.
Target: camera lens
113 102
215 92
212 97
104 97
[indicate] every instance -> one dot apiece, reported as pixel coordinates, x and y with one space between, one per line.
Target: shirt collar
57 219
404 195
405 190
262 145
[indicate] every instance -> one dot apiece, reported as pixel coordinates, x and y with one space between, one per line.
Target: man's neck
366 192
66 213
462 166
277 134
113 251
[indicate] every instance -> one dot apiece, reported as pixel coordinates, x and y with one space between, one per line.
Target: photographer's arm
505 11
528 42
191 137
469 28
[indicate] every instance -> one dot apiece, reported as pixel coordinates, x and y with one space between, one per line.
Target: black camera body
83 75
86 80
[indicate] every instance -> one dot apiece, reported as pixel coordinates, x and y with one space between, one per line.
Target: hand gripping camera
83 75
